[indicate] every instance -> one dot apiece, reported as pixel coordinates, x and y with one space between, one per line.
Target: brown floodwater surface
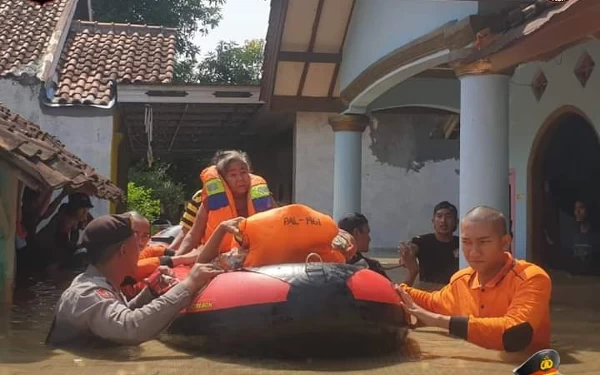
576 336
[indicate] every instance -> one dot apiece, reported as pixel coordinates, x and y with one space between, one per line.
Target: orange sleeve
152 251
439 302
145 267
513 331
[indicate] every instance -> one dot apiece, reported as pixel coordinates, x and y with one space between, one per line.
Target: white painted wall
313 162
527 115
86 132
397 200
378 27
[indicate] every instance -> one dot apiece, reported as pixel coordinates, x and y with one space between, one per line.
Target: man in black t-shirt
437 252
358 226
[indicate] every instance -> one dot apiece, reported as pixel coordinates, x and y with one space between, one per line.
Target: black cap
544 362
445 205
105 231
80 200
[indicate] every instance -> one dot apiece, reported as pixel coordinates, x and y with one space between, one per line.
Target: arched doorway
564 166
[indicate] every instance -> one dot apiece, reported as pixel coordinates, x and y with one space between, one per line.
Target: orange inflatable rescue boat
312 303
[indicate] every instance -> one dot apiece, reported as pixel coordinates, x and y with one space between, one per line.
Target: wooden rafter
311 45
308 57
336 70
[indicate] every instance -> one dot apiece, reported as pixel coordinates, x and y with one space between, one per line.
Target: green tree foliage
187 16
140 199
170 194
231 63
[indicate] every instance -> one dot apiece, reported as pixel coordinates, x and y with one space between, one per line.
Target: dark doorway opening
565 168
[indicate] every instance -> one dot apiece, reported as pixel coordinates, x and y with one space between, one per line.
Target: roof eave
277 18
182 93
51 56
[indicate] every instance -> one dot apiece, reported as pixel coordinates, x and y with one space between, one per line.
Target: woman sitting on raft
229 191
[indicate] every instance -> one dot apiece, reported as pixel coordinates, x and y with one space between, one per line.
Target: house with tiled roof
106 90
403 104
62 73
58 93
30 157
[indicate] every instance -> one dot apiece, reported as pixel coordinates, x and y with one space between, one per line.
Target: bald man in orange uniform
497 302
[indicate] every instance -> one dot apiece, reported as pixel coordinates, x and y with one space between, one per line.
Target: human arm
143 298
188 218
188 258
511 332
423 316
437 302
153 251
211 249
408 260
179 239
194 236
111 319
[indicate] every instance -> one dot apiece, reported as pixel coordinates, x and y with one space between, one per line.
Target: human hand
160 282
406 248
408 260
231 225
199 276
427 318
165 270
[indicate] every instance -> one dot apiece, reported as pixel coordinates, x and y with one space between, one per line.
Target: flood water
576 336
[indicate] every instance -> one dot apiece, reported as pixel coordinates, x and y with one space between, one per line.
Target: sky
242 20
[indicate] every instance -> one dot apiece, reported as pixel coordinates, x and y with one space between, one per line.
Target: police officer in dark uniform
93 306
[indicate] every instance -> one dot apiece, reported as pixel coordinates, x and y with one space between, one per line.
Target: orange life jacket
289 234
152 250
218 200
149 261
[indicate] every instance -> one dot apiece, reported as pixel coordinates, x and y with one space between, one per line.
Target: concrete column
483 143
347 170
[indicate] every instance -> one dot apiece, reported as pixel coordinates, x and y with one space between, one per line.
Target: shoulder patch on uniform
105 294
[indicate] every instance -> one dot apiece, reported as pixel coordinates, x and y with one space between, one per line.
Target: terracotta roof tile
26 29
97 53
44 160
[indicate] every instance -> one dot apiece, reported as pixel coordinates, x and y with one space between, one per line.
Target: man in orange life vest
498 302
229 191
